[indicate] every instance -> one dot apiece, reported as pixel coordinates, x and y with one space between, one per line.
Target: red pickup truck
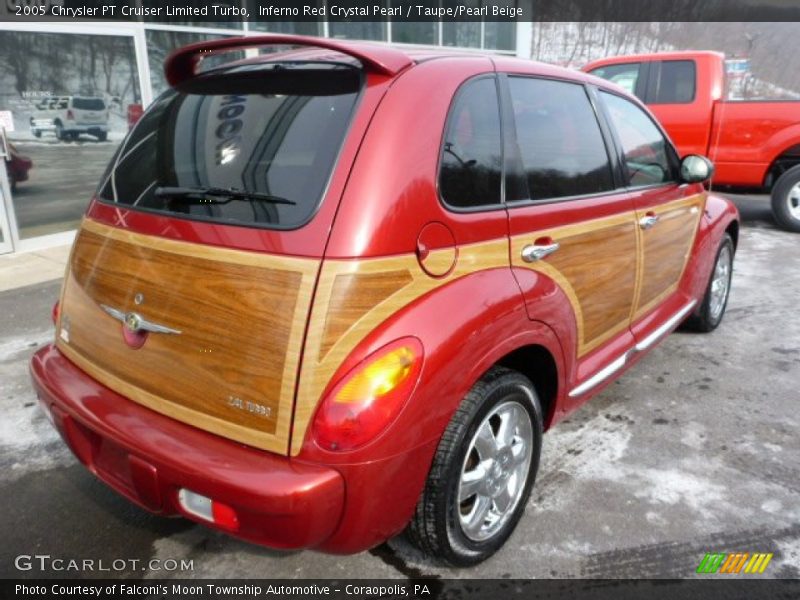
754 144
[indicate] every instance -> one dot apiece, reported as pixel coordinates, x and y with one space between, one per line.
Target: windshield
88 103
273 149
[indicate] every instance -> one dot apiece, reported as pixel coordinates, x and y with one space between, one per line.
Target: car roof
417 56
372 56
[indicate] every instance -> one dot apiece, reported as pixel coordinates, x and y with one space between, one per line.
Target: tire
102 136
786 200
450 529
709 314
37 133
59 131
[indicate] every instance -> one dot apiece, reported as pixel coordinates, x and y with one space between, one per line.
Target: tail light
70 115
369 397
208 509
54 312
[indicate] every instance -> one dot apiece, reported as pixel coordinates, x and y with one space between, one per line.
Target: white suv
70 116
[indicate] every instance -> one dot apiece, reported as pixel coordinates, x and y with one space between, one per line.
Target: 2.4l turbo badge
251 407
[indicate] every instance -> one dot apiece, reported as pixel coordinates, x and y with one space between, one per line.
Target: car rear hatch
185 290
89 111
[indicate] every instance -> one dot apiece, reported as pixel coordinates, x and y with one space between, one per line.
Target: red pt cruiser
329 294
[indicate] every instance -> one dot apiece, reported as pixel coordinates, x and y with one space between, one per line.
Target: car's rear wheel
102 136
709 314
59 130
482 473
786 200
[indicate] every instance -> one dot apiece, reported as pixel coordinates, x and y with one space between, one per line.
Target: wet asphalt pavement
695 450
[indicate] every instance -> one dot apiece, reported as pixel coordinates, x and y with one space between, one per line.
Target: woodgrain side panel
665 251
596 267
353 295
323 356
232 369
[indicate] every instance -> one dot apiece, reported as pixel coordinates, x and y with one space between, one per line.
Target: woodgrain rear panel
241 315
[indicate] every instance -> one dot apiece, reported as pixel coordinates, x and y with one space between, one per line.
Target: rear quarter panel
465 325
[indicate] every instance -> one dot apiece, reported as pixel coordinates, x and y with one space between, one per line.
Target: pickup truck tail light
369 397
70 115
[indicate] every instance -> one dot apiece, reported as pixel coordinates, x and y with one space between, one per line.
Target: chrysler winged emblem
135 323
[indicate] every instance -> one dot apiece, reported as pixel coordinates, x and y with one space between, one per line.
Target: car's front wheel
482 473
709 313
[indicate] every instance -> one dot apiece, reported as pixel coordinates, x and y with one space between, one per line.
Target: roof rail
182 63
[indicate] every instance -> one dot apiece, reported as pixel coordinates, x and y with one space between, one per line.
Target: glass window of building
358 30
161 42
69 95
414 32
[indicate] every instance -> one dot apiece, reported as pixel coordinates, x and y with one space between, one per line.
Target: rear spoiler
181 65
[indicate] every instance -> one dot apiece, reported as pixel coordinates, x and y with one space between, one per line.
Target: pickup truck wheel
786 200
37 133
102 136
709 314
482 473
59 131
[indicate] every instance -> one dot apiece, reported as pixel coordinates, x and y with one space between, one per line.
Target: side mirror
696 168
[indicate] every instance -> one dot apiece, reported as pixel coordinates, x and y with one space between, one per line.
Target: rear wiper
217 195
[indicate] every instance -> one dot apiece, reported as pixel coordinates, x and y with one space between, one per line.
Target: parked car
135 112
755 145
351 292
70 116
18 166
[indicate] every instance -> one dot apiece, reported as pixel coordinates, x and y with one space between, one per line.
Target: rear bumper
69 127
148 458
90 129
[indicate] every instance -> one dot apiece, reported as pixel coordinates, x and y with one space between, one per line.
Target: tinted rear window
88 103
472 155
242 131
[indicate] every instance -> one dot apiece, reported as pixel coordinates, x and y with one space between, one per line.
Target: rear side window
626 76
472 156
647 153
559 139
88 103
242 147
674 83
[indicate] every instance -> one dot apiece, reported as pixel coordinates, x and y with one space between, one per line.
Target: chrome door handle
648 221
534 252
